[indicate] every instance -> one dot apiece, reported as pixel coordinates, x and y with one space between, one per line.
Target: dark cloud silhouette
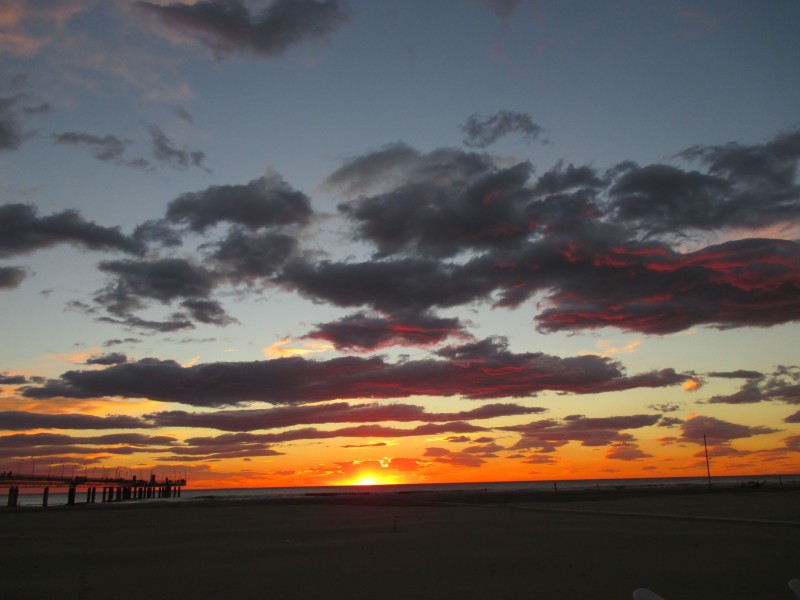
107 148
738 374
363 332
587 284
6 379
665 408
22 231
207 311
793 418
448 203
548 434
402 285
746 186
11 277
483 131
112 149
158 231
175 322
783 385
497 373
336 412
626 451
112 358
264 202
751 282
23 421
165 152
227 26
163 280
718 431
386 166
21 445
246 256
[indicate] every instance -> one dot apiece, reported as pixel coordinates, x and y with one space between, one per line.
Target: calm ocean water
58 497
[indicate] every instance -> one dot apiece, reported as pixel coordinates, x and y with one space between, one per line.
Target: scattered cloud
227 27
783 385
718 431
483 131
22 231
549 434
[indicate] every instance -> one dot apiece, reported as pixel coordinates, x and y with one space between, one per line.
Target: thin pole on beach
708 465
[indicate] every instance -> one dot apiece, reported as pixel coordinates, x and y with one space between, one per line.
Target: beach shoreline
436 545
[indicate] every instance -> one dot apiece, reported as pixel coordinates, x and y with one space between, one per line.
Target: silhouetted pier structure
113 489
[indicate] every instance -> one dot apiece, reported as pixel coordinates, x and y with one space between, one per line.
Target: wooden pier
111 489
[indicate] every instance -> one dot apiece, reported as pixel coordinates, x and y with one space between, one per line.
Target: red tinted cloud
481 371
362 332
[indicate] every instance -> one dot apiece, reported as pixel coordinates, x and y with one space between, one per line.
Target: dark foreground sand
412 547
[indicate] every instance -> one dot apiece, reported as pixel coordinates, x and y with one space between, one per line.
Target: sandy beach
726 545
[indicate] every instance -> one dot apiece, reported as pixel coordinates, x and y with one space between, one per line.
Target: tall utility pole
708 464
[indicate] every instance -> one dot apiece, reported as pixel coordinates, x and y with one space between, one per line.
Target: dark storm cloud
207 311
783 385
745 186
157 231
718 431
592 280
112 358
793 418
23 421
337 412
401 285
11 277
652 289
245 256
162 279
227 26
375 169
494 374
165 152
548 434
596 246
483 131
22 231
450 202
362 332
264 202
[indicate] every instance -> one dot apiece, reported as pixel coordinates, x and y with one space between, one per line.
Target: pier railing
113 489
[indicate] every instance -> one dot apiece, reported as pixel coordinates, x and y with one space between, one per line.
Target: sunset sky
297 242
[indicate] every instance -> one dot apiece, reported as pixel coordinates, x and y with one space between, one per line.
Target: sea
33 497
